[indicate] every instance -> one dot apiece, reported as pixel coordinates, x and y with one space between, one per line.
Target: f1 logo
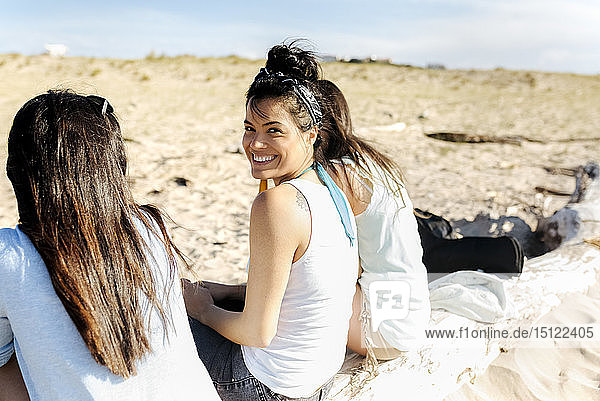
388 300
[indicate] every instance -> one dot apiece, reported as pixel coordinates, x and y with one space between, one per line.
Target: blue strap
305 171
338 199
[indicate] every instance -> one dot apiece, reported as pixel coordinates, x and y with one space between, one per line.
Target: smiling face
276 148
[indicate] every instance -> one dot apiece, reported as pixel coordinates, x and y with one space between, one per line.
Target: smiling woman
289 340
273 144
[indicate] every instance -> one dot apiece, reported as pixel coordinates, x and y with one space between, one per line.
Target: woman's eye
248 129
274 131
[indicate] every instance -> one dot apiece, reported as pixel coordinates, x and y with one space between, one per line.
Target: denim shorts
225 364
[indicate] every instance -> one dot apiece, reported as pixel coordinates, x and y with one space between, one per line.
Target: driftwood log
580 218
462 137
436 370
474 138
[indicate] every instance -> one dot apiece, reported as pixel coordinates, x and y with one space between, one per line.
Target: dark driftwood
583 179
583 207
550 191
469 138
461 137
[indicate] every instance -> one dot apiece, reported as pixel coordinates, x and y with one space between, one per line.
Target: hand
197 299
218 291
221 292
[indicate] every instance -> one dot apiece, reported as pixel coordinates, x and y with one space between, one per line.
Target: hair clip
99 101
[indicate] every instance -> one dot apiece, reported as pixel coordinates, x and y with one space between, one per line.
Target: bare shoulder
283 201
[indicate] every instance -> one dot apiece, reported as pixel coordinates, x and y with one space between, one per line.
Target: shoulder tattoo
301 201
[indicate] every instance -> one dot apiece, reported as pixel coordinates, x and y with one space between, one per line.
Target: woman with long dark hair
90 303
290 338
391 237
390 246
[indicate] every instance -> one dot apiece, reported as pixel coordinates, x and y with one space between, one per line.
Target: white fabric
54 360
390 249
310 343
474 295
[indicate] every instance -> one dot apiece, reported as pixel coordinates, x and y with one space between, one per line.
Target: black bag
434 224
444 253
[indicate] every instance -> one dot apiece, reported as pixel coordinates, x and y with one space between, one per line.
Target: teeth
262 158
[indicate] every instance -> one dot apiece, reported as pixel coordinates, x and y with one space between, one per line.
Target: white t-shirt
390 249
310 343
54 360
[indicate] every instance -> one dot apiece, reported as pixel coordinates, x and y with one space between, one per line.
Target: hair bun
293 61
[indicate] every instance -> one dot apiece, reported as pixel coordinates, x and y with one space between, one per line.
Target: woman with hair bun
290 338
90 304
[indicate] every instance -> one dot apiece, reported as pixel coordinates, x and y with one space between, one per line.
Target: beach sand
182 118
545 373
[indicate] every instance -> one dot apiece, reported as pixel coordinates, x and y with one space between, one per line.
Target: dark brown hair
285 62
67 165
338 141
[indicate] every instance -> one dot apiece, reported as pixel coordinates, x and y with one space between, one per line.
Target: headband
301 91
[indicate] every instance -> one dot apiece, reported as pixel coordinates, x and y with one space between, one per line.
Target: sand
182 118
545 373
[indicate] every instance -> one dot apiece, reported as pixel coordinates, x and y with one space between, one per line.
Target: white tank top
310 343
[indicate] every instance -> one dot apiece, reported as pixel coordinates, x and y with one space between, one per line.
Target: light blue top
54 360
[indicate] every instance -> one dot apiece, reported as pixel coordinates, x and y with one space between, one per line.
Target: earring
318 140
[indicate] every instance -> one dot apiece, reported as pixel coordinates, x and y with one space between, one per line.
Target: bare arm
12 386
278 229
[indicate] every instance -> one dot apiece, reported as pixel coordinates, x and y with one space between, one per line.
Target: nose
257 142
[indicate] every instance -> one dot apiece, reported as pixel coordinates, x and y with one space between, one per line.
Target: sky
547 35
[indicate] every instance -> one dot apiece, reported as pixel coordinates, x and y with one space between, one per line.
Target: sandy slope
183 118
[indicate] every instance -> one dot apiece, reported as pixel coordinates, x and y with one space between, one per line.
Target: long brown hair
67 165
338 141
